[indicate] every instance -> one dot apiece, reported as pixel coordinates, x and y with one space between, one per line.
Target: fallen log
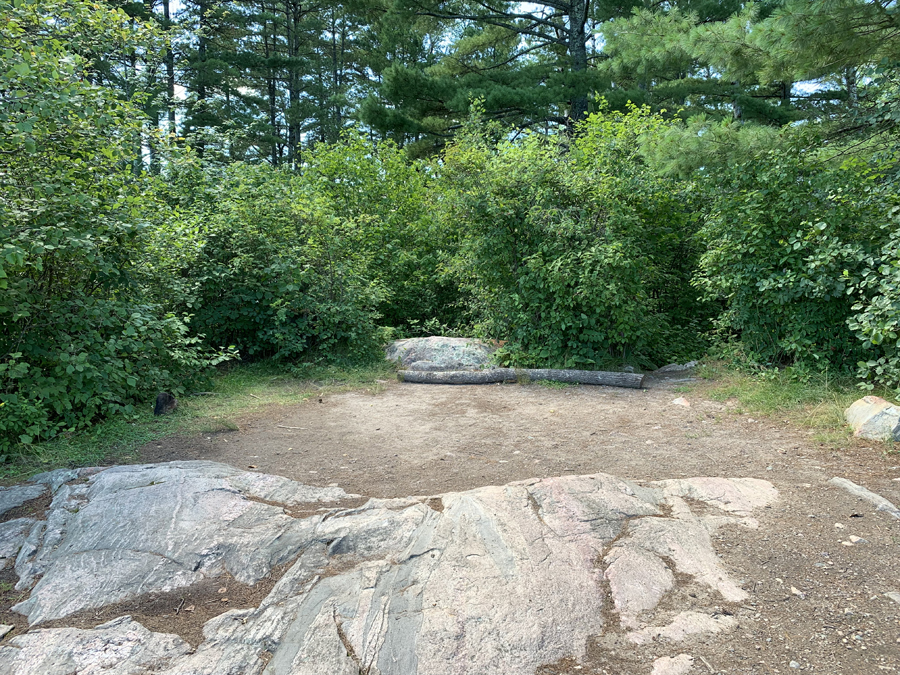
457 376
596 377
630 380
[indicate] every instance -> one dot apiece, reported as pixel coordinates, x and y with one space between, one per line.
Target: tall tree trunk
786 88
334 77
153 125
170 67
202 44
852 87
737 110
271 87
294 15
578 38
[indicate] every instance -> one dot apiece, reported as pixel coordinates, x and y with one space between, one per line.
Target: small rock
794 664
893 596
4 630
796 591
858 540
846 543
839 526
165 403
874 418
682 401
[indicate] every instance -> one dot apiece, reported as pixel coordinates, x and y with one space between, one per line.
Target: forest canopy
597 183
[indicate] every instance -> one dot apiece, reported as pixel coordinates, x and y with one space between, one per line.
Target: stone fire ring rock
499 579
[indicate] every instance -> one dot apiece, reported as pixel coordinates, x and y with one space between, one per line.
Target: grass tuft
815 401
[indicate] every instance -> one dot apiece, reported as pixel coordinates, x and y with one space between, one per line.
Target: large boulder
874 418
492 580
440 353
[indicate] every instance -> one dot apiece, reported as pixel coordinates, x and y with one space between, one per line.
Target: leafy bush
574 252
263 265
80 360
877 318
391 203
788 239
77 338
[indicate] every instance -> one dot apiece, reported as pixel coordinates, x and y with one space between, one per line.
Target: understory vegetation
134 258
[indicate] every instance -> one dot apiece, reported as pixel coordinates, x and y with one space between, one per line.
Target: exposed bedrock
492 580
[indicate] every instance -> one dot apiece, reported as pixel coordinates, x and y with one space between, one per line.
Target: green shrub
78 338
787 241
263 265
81 360
391 203
573 251
876 321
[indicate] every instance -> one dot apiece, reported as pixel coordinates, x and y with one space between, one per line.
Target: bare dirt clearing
817 604
819 570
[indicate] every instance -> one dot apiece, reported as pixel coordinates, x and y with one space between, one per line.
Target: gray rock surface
874 418
440 353
492 580
15 496
58 477
12 536
119 647
136 529
879 502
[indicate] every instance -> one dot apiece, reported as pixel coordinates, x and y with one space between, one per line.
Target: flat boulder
499 579
440 353
874 418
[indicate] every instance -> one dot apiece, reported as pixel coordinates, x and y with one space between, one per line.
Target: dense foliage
334 175
77 338
574 251
791 247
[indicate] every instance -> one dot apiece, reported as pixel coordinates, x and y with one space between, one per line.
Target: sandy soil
817 605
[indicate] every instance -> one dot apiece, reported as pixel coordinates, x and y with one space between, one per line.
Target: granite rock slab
131 530
499 579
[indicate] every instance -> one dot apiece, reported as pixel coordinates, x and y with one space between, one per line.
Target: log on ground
458 376
595 377
630 380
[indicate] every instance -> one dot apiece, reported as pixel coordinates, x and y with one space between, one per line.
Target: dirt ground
817 605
